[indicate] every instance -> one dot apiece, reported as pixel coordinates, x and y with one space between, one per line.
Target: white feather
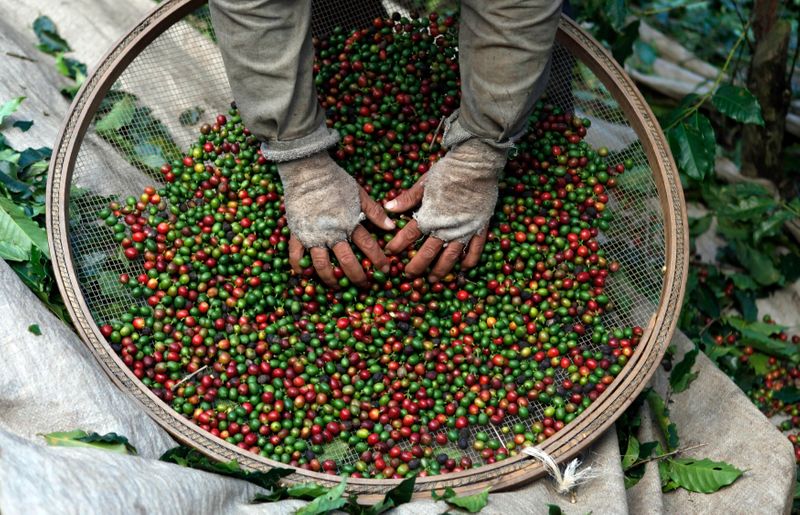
570 479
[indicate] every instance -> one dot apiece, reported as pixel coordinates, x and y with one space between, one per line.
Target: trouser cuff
455 133
281 151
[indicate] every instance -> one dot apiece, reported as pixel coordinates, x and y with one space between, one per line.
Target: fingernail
391 204
385 268
432 279
389 223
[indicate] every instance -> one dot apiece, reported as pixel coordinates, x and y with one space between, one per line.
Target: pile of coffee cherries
406 377
776 392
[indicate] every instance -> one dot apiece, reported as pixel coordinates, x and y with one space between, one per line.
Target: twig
667 455
666 9
497 434
743 21
705 328
735 71
188 377
20 56
714 86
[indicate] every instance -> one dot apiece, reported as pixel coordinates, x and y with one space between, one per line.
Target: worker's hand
324 206
458 196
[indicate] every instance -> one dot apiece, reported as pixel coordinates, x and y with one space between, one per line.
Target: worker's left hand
324 206
458 196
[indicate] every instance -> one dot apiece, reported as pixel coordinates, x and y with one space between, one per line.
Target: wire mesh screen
152 116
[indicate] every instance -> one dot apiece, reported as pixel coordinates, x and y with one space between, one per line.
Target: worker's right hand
324 208
458 196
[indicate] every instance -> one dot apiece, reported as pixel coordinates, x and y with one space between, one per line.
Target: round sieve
166 76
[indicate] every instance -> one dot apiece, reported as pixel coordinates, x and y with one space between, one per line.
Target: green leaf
9 167
332 500
147 143
398 495
190 116
747 304
693 144
668 429
554 509
730 193
37 275
681 376
471 503
706 300
69 67
71 91
667 484
703 476
731 229
747 208
10 107
717 352
787 394
646 449
622 46
789 266
680 111
112 440
119 116
23 125
78 438
33 273
50 42
737 103
758 335
631 453
743 377
744 282
18 233
34 328
191 458
277 494
307 491
15 245
754 328
616 11
698 226
772 226
760 363
30 156
759 264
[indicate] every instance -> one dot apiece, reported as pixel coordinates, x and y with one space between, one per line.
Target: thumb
373 211
408 199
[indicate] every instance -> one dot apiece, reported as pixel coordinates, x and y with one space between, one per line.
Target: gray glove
324 206
321 199
461 192
458 196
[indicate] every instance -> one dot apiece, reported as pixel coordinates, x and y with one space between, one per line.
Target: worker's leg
504 55
268 55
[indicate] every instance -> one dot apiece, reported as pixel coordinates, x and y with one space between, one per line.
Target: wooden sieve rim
567 443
